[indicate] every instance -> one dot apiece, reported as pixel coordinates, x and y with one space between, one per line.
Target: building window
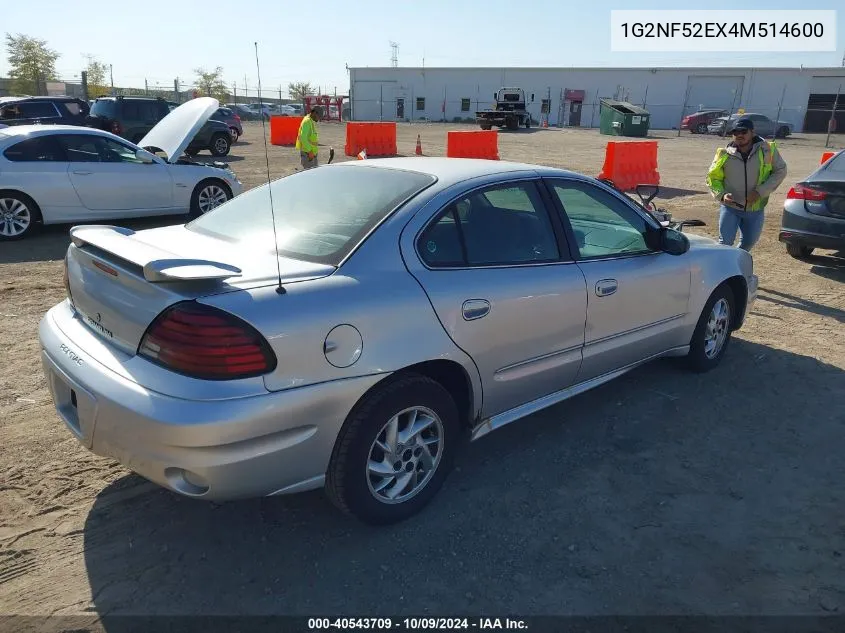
545 106
420 103
464 105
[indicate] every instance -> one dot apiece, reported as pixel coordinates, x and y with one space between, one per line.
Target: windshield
321 214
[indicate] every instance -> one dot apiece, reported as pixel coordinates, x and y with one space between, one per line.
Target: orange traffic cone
418 151
362 155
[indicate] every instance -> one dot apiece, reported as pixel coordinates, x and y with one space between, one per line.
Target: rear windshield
321 214
104 108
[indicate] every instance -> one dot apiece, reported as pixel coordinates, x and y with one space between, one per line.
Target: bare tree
211 84
30 61
298 90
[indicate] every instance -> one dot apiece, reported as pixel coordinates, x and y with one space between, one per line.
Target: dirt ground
660 493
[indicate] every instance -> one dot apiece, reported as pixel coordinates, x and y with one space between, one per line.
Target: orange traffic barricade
473 144
632 163
377 139
284 129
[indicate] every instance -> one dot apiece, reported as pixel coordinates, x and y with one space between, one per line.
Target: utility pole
146 87
85 85
235 86
176 97
111 77
394 58
832 122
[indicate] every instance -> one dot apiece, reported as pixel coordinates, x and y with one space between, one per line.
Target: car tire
356 489
799 252
208 195
19 216
782 132
220 144
702 128
235 134
712 330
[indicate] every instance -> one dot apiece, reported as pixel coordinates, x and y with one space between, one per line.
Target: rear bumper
802 228
242 447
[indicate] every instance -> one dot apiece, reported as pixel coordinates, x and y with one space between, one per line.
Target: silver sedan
353 329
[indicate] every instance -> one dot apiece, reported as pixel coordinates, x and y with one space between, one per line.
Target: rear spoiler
158 265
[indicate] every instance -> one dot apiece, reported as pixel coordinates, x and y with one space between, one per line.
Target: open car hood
173 133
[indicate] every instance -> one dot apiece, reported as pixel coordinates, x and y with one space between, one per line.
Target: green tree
98 81
298 90
211 84
30 62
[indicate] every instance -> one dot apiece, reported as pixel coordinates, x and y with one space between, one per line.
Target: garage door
714 92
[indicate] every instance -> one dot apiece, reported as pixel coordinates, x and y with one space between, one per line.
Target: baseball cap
742 123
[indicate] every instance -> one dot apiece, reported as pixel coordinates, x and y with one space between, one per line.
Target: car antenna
280 289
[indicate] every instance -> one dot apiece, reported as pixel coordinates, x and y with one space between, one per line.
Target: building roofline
594 68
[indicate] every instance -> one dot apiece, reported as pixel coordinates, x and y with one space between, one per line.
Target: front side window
603 225
88 148
500 225
321 214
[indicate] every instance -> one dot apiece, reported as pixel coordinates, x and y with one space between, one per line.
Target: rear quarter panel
374 293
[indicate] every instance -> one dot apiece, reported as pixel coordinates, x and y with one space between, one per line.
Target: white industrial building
570 96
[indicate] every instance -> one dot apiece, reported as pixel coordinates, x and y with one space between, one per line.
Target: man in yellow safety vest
306 140
741 178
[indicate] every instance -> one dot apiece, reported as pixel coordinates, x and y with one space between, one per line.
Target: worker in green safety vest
741 178
306 140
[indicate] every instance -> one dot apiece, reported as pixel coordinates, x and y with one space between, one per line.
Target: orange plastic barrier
474 144
378 139
825 156
628 164
284 129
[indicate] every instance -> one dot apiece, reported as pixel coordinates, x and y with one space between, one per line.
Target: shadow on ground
661 492
50 242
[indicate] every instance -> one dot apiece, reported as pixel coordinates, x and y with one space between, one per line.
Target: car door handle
606 287
475 309
82 173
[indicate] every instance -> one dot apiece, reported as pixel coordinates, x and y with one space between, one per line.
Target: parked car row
59 174
128 117
714 120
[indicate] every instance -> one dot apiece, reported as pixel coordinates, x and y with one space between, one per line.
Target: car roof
42 98
450 171
16 132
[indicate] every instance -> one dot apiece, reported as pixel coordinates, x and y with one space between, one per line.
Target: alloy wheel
15 217
211 197
716 332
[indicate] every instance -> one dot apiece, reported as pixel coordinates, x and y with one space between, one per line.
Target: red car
697 122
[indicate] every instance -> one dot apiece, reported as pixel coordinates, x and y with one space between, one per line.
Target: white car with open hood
58 174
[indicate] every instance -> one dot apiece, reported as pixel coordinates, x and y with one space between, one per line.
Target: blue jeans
749 223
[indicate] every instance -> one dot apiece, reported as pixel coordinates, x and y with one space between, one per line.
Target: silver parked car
414 303
763 125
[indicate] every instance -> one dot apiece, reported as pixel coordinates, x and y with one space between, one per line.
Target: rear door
637 297
38 167
499 277
110 180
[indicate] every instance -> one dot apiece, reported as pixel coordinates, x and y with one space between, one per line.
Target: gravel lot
660 493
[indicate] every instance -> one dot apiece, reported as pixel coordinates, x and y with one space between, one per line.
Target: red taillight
800 192
115 128
237 117
204 342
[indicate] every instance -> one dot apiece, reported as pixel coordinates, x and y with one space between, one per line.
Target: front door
400 108
506 290
107 176
574 113
637 297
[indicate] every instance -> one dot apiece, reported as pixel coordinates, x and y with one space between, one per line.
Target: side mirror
145 157
673 242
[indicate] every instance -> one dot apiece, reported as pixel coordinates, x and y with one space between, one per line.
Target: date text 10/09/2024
721 29
416 624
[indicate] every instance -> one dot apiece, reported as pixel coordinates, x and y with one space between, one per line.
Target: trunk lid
119 280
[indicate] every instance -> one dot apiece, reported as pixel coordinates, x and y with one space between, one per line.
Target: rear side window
74 108
38 149
223 112
38 110
105 108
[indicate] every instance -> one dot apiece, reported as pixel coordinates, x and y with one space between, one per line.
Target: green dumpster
620 118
